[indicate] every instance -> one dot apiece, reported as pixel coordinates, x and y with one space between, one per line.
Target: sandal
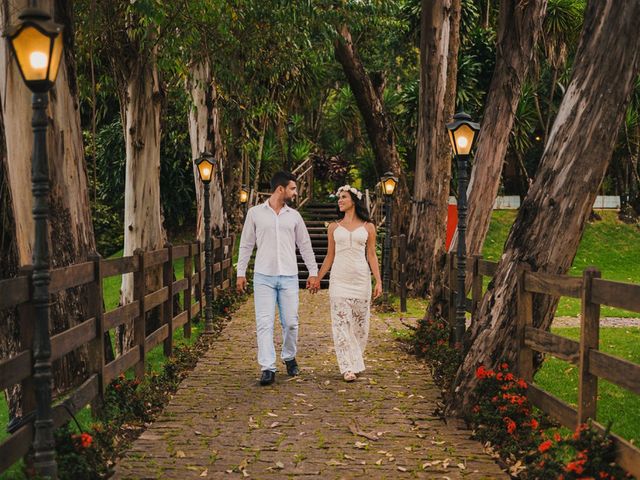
349 376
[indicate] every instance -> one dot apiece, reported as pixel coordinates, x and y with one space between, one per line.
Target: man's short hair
281 179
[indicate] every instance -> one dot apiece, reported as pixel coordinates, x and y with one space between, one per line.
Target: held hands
241 284
313 284
377 290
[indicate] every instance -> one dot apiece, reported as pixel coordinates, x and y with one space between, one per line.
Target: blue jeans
269 291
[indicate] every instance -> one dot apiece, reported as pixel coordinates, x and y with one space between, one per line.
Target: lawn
608 244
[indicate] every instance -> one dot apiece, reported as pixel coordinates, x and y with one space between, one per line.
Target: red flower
504 366
579 430
575 466
522 383
476 409
84 439
481 372
508 377
499 376
534 423
557 437
544 446
511 425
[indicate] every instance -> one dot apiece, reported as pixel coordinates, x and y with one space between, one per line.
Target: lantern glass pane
206 170
244 196
32 49
389 186
56 57
464 139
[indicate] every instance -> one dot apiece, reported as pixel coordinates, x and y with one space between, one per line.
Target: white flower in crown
349 188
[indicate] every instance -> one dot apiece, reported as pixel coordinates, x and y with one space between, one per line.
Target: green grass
615 404
609 245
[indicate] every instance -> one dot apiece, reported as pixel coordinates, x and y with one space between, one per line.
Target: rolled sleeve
303 241
247 242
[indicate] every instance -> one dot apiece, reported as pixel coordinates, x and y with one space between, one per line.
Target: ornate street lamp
244 198
389 183
36 43
205 164
290 127
462 133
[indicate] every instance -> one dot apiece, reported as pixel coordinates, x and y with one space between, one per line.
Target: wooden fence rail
17 295
592 364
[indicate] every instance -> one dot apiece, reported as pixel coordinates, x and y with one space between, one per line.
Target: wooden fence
398 269
91 274
592 364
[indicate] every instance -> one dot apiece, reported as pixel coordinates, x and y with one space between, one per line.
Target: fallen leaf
426 465
245 474
271 414
348 457
379 462
402 469
361 445
354 427
274 424
180 454
333 463
438 443
279 465
408 449
204 473
197 432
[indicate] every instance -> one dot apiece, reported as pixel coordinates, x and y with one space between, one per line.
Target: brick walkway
221 424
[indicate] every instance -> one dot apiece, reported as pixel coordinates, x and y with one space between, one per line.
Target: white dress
350 296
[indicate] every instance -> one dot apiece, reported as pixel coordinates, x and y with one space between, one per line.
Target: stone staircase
317 216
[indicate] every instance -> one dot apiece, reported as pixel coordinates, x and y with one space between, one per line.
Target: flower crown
349 188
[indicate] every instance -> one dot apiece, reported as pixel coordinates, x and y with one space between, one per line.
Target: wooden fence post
167 309
139 292
525 319
476 286
402 253
188 274
589 339
96 347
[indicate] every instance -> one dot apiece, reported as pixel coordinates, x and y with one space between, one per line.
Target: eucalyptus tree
71 229
551 220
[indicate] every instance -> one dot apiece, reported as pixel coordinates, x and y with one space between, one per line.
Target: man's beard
289 201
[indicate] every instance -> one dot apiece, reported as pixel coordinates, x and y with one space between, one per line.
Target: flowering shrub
431 341
503 415
78 456
585 454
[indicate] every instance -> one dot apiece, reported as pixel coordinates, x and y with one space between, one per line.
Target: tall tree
204 132
367 90
550 223
519 25
439 44
71 228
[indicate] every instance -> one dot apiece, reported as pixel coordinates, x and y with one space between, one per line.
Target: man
276 229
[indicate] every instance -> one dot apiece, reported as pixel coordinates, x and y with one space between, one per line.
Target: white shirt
276 235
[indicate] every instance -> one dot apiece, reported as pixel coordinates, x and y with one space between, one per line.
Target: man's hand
241 284
313 284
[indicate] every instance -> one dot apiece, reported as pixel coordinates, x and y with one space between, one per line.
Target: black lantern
244 194
205 164
462 133
389 183
36 43
290 127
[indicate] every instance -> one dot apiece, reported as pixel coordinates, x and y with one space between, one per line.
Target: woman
351 252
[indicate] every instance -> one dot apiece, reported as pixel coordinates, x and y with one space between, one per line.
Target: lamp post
290 127
462 133
205 164
36 43
389 183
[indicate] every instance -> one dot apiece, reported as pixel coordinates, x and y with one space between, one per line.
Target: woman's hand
377 290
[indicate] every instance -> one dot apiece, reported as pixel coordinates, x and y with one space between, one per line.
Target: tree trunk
141 102
233 174
439 42
71 228
204 132
520 25
551 221
368 95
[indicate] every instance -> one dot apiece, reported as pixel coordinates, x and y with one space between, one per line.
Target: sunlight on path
221 424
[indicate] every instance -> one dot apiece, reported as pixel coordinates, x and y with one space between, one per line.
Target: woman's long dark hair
361 209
